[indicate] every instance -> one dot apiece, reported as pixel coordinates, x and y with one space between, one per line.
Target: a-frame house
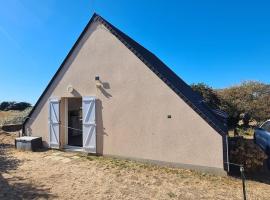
111 96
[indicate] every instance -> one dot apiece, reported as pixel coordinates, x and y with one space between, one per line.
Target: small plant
245 131
171 195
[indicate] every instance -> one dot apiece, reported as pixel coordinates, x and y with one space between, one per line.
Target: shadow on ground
262 176
15 187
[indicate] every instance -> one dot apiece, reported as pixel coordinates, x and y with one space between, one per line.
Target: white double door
88 118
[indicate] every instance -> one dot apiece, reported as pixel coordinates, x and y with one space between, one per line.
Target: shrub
209 95
246 153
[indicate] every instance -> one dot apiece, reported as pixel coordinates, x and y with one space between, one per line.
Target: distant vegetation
249 101
247 105
12 112
17 117
12 105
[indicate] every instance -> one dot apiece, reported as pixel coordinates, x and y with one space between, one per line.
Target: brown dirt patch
61 175
4 114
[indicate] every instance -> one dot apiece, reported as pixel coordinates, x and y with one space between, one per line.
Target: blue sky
221 43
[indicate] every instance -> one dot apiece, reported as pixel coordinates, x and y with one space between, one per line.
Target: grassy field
61 175
7 116
13 116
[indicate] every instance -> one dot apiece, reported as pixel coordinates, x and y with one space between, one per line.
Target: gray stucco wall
132 108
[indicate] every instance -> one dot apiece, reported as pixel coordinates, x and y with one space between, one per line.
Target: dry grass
61 175
8 114
13 116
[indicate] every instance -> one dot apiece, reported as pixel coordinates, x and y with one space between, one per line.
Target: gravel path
62 175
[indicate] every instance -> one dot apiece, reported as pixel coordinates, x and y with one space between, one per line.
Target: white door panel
54 123
89 124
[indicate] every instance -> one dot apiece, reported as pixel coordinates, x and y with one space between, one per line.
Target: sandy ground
62 175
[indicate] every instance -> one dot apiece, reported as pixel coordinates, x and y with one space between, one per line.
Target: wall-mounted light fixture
70 88
98 82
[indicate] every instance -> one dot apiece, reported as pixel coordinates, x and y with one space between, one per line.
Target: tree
4 105
215 101
232 112
250 97
209 95
12 105
20 106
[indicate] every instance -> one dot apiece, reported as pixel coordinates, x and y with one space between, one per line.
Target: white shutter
54 123
89 124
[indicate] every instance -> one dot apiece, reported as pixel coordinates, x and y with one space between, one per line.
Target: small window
266 126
